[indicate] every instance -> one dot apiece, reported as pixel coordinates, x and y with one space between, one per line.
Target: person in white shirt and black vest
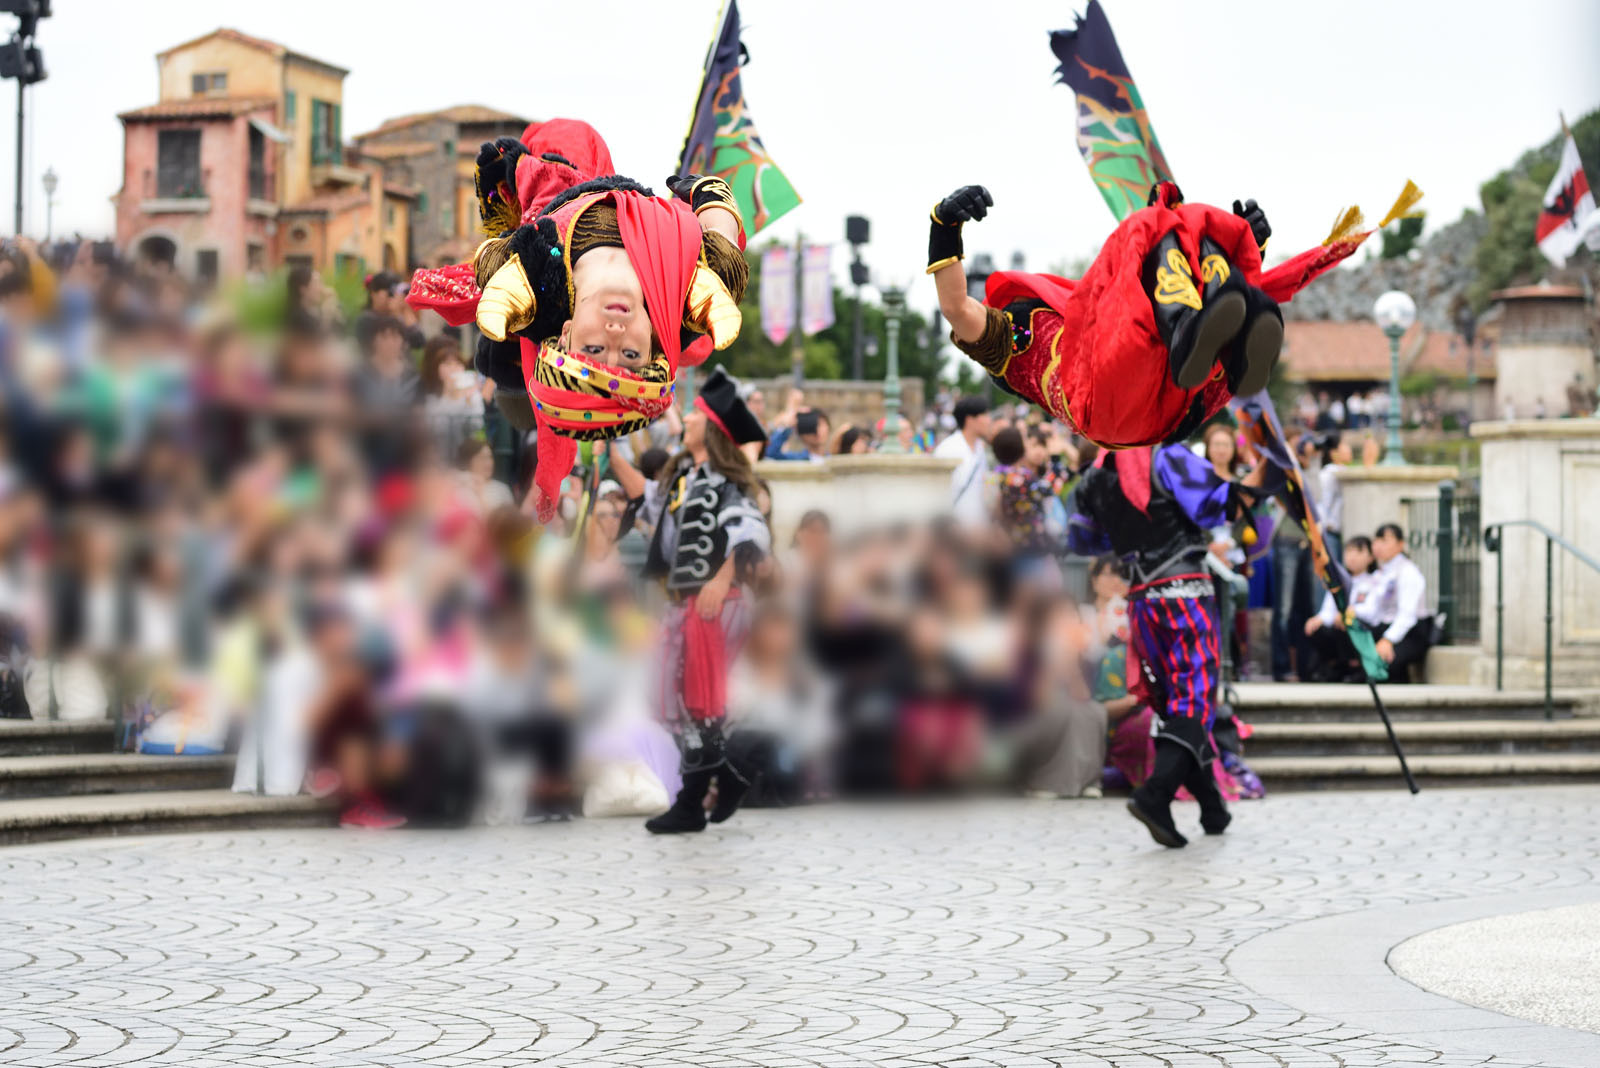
1405 626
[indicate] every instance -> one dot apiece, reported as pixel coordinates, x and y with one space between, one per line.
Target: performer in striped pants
1156 508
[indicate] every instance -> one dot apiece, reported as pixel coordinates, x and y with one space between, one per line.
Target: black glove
1251 213
496 181
970 203
967 204
701 191
1155 194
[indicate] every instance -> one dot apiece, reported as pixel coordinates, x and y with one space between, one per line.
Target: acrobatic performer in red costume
1173 318
591 292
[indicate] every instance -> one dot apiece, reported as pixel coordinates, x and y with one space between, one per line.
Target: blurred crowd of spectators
310 544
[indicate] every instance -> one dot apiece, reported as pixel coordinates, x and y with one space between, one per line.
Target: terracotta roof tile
1319 351
273 48
206 107
399 149
461 113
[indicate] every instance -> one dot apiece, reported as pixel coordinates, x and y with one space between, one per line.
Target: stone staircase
62 780
1314 737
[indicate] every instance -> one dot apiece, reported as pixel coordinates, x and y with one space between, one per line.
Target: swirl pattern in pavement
997 933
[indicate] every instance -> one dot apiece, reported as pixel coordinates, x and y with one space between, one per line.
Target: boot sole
1219 324
1162 836
1262 346
674 830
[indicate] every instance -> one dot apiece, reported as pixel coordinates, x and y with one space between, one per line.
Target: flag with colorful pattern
722 137
1114 133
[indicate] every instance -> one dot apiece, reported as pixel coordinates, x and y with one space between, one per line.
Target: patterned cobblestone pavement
1000 933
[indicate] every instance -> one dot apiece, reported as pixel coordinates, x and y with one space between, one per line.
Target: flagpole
705 73
686 383
797 351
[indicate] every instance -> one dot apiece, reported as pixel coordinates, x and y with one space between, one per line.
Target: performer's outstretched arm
967 316
710 199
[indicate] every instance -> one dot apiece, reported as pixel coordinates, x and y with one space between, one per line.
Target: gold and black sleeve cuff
944 243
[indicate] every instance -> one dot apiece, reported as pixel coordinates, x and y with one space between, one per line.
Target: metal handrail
1491 542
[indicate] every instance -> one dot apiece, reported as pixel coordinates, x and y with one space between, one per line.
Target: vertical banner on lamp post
816 290
777 293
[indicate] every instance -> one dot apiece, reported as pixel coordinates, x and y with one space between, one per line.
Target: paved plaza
998 933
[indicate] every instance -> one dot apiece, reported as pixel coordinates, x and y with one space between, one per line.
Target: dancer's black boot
1151 803
747 753
687 814
1202 783
1195 328
1249 361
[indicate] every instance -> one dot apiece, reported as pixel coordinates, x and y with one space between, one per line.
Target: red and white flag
1569 215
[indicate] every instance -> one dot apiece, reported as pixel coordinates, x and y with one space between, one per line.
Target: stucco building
241 166
433 154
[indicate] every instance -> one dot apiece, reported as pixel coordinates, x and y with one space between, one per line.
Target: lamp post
894 300
1394 312
50 182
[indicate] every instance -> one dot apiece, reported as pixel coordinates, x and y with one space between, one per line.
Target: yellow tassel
1345 226
1409 196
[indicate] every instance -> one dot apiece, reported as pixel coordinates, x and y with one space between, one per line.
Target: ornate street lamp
50 183
1394 312
894 302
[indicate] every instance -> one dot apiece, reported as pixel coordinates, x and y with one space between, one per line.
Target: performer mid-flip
1173 317
1155 507
709 535
592 292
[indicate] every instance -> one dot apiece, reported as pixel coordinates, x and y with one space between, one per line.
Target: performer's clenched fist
970 203
1251 213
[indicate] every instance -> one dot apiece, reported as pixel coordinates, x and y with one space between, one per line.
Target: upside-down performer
708 538
1155 507
1174 316
591 292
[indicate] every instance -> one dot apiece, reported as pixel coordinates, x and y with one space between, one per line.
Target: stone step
66 774
33 737
1431 770
1330 702
1421 737
47 819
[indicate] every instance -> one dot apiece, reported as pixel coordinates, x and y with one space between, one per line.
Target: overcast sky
879 108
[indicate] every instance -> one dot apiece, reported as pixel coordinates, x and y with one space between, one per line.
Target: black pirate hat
719 400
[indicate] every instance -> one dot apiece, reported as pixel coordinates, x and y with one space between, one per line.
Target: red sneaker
367 813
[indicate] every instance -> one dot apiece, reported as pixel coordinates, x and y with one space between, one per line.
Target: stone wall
857 492
847 401
1549 471
1374 495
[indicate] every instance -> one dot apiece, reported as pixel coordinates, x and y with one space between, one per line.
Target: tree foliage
1402 239
828 352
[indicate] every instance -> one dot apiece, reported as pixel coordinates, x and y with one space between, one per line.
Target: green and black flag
722 137
1114 133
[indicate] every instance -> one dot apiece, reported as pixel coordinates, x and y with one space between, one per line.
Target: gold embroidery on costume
1175 282
1214 269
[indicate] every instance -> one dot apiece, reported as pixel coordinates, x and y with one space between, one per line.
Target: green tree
1402 239
828 352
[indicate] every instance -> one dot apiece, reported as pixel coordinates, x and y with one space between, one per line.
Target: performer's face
609 324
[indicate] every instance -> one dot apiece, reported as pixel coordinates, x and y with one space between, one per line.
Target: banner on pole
816 290
1568 217
777 293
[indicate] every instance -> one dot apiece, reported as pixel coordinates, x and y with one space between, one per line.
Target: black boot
1202 783
1151 803
687 814
1250 359
1195 328
747 754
